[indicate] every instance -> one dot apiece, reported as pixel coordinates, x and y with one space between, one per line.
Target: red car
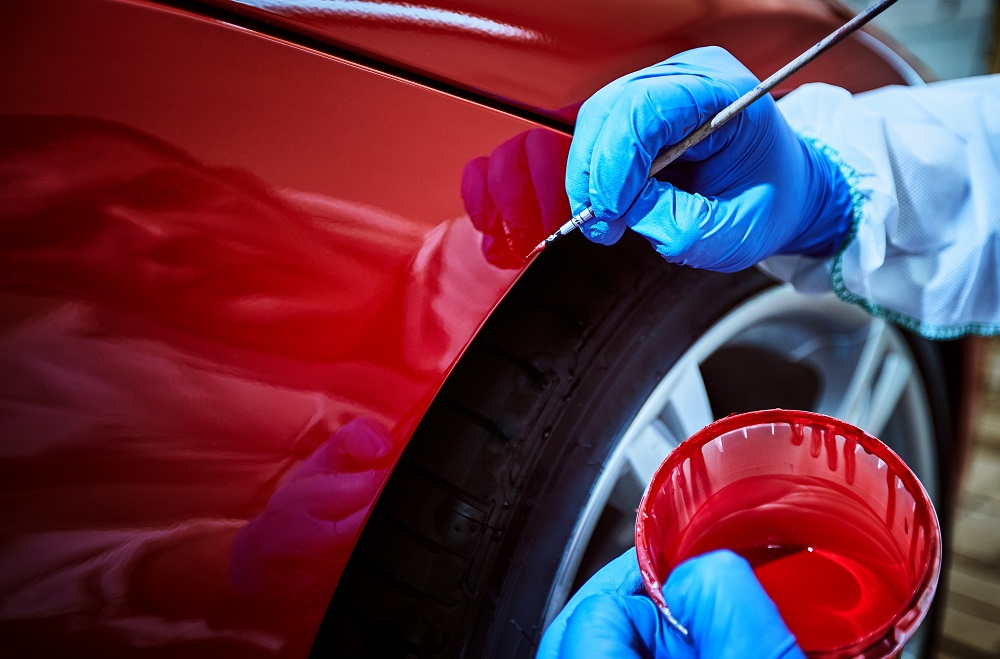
274 374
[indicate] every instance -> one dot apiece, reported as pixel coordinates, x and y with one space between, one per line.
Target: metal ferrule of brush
586 215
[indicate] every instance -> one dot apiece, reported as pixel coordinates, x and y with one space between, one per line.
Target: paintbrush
733 109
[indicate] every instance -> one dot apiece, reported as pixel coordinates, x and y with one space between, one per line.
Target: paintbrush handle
764 87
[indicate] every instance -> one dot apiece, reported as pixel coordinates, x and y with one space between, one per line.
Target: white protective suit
924 168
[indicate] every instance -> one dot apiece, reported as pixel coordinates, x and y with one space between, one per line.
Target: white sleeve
924 168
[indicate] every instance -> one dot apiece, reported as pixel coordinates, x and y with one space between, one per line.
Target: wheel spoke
856 396
889 389
688 410
647 450
877 383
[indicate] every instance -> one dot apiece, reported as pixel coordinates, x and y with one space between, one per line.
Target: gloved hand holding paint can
838 530
765 535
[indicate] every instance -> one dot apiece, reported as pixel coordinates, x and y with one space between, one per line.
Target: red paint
823 554
829 599
840 533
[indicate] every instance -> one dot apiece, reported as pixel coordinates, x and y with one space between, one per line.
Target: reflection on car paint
199 396
550 56
515 195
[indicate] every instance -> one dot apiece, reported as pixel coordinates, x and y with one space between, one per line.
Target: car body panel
236 269
227 303
549 56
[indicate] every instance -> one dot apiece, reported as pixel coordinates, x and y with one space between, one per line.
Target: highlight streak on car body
420 16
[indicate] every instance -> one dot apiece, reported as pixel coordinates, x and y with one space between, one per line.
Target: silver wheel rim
867 374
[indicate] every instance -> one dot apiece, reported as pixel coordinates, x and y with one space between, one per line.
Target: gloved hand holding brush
752 189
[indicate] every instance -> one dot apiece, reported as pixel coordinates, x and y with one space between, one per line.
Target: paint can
839 531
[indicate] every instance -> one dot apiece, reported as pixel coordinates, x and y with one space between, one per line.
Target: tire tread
470 454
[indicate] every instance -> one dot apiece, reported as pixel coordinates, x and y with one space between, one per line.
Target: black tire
459 555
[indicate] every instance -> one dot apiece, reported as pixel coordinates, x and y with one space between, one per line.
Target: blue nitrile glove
751 189
715 596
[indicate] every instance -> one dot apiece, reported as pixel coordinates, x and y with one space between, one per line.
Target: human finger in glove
752 189
715 596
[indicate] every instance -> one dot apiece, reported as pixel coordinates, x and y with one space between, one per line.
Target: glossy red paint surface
234 272
549 56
